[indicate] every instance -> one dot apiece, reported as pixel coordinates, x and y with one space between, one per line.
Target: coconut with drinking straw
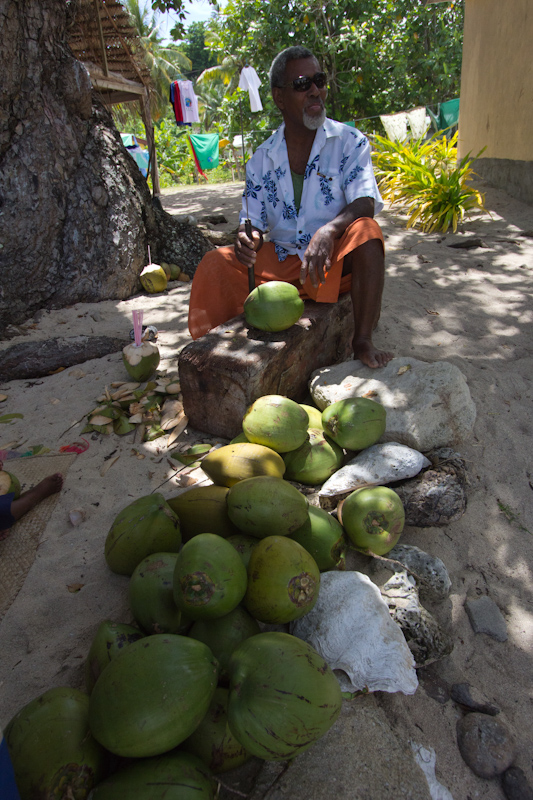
153 277
141 358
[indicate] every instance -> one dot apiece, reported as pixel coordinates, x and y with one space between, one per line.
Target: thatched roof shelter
103 38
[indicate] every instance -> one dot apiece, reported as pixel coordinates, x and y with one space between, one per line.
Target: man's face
307 107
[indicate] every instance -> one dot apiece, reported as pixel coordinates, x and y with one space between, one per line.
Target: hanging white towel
395 126
189 102
250 80
419 122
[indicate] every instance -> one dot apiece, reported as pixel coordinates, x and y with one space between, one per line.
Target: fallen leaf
436 313
75 587
54 401
404 369
370 393
59 369
10 417
77 373
178 430
108 466
3 397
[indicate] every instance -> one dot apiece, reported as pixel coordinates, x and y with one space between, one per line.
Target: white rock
428 405
350 626
377 465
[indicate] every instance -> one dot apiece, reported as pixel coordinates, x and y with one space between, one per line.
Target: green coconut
283 581
209 578
235 462
273 306
276 421
243 544
10 483
148 525
203 509
373 518
223 635
52 750
153 279
110 639
264 505
354 423
314 461
323 537
172 776
151 595
283 696
153 695
213 742
141 361
314 414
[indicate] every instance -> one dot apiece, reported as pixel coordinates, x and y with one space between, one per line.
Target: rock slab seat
428 405
223 372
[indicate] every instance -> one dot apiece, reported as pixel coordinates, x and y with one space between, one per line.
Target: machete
247 221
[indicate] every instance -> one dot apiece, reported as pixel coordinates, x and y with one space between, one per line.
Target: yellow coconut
153 279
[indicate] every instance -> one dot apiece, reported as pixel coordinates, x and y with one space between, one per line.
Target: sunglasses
304 83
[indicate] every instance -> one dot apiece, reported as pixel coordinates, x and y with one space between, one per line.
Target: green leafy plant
426 178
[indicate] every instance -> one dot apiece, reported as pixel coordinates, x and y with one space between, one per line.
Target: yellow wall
497 80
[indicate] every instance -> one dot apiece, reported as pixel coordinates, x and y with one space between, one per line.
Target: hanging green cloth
206 147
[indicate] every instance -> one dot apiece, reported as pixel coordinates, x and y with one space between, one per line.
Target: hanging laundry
395 126
189 102
195 158
206 148
419 122
175 102
249 80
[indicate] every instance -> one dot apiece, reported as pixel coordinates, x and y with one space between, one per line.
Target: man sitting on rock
312 187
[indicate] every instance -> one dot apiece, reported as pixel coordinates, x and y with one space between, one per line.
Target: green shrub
426 178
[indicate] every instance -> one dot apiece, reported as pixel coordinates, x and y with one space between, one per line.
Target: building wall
497 92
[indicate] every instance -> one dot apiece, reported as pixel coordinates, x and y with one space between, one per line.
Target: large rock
428 405
359 758
223 372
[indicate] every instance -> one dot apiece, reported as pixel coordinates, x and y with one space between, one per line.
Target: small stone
471 699
437 496
427 641
515 785
435 582
485 744
433 685
486 617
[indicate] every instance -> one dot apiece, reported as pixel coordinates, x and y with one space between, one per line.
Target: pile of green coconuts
205 679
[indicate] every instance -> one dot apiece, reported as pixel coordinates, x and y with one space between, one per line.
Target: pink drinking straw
138 327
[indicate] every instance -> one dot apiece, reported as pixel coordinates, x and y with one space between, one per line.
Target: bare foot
27 500
365 351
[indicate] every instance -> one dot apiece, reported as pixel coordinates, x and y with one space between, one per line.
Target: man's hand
246 248
317 258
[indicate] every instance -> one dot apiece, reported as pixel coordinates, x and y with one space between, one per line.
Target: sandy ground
472 307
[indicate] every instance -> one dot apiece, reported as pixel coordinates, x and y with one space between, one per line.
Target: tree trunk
76 215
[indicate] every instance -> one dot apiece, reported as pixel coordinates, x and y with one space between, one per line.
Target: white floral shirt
338 172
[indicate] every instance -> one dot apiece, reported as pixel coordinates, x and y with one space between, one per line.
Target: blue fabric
8 787
7 520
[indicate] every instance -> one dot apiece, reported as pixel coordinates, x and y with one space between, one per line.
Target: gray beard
314 123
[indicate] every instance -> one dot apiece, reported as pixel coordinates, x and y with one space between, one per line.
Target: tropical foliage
426 178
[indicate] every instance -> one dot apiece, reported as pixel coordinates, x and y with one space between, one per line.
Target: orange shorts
220 284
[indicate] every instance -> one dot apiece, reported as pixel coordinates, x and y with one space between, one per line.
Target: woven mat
17 551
